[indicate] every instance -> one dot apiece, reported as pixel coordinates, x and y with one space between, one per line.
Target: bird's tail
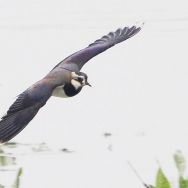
11 125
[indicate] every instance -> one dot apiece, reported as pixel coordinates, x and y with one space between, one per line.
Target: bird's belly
59 92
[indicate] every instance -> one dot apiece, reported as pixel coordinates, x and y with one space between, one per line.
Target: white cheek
75 84
59 92
84 82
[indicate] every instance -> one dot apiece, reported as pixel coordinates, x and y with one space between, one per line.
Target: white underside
59 92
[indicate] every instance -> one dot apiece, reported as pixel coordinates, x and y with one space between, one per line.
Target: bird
64 80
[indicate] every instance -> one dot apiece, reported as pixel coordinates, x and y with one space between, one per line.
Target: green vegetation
181 165
163 182
17 182
9 161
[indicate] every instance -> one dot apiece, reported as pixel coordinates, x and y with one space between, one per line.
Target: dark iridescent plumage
27 105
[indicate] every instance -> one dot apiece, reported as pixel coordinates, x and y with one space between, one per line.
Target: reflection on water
8 160
16 183
12 155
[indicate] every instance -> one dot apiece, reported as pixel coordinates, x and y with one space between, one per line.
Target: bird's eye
80 79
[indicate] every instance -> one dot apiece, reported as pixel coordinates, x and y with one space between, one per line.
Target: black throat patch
70 90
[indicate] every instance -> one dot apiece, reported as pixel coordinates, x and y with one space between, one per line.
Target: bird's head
79 80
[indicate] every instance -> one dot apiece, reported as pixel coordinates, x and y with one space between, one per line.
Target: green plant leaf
19 172
162 181
180 162
183 183
17 182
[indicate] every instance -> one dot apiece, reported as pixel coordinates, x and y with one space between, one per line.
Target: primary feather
77 60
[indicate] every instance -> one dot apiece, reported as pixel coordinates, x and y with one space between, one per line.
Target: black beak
87 83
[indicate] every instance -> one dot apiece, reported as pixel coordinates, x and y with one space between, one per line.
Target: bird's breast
59 92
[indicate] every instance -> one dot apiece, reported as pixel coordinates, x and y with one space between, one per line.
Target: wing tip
128 32
139 25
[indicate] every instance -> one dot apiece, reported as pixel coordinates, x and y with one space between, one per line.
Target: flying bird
64 80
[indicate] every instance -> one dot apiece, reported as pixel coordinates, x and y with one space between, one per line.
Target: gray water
135 111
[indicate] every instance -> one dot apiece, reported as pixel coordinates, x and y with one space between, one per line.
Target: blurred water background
135 111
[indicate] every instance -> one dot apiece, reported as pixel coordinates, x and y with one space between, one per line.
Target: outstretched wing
77 60
21 112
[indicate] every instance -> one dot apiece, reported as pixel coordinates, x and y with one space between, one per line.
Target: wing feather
22 111
19 104
13 124
77 60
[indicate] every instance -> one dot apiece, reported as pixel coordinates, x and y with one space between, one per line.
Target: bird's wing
77 60
21 112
